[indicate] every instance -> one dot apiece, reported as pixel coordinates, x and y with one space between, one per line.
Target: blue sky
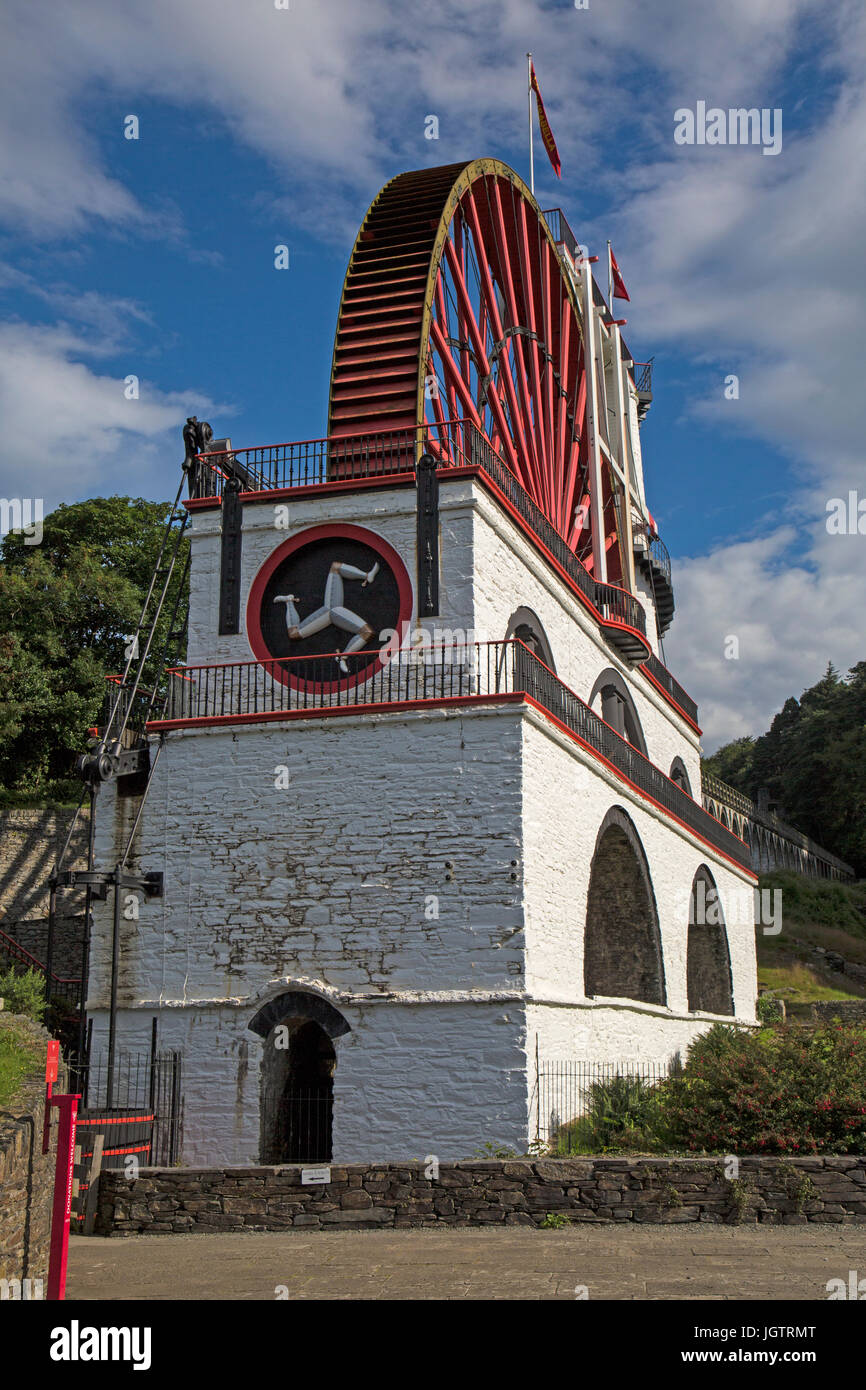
259 126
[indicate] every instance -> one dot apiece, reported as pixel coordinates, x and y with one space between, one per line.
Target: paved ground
626 1262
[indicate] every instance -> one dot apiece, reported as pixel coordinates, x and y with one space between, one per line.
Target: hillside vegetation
820 922
812 761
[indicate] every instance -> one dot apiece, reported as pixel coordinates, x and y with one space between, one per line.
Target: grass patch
20 1055
799 983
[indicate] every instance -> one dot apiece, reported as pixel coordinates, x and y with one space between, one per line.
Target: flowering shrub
789 1090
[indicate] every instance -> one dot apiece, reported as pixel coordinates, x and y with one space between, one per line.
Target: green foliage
788 1090
768 1009
67 609
820 902
23 993
812 760
622 1113
554 1221
21 1055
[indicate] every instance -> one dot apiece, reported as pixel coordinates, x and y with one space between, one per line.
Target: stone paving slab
658 1262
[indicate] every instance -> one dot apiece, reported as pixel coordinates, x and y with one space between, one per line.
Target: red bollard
62 1209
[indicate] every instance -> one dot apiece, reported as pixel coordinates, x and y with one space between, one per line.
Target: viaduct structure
773 843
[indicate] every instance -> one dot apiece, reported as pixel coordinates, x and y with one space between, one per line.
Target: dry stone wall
522 1192
26 1174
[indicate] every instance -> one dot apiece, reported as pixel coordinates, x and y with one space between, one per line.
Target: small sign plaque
51 1061
310 1176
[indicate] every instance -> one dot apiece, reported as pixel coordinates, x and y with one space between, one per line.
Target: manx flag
546 132
619 289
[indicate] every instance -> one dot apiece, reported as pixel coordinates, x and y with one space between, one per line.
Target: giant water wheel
457 307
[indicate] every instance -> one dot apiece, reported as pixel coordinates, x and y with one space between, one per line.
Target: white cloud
70 431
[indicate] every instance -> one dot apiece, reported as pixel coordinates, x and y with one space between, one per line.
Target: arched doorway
622 942
297 1077
708 960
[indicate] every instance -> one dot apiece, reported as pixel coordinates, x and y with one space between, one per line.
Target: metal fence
146 1113
567 1092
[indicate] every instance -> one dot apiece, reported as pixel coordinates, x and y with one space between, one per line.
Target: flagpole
609 280
529 104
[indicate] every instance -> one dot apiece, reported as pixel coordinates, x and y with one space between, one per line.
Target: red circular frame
257 592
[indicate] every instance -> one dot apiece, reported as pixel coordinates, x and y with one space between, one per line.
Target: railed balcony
484 672
455 444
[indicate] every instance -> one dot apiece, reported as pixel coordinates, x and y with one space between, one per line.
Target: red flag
546 132
619 289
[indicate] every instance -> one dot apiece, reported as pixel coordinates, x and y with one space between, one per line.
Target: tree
812 760
68 608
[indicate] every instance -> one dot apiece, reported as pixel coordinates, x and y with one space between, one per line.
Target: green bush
785 1090
622 1112
24 993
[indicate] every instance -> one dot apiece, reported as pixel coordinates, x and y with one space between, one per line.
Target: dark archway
297 1077
679 775
622 942
618 708
708 961
526 626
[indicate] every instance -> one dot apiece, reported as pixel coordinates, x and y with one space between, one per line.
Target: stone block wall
522 1192
26 1174
31 838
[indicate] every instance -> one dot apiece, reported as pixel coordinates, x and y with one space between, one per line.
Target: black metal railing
566 1092
146 1108
454 443
305 1125
64 992
468 446
561 231
670 684
659 556
477 670
311 462
643 376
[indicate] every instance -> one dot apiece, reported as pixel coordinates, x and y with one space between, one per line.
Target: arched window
612 699
679 775
622 943
708 961
526 627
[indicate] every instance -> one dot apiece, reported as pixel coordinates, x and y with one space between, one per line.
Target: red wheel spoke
471 324
492 309
458 315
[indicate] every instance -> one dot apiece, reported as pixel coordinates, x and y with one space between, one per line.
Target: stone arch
679 774
527 627
618 708
299 1059
708 958
622 941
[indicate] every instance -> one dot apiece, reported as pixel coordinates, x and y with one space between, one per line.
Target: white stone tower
428 805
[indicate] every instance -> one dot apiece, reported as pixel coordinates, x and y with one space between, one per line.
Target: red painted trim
275 559
444 473
373 707
469 470
599 757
